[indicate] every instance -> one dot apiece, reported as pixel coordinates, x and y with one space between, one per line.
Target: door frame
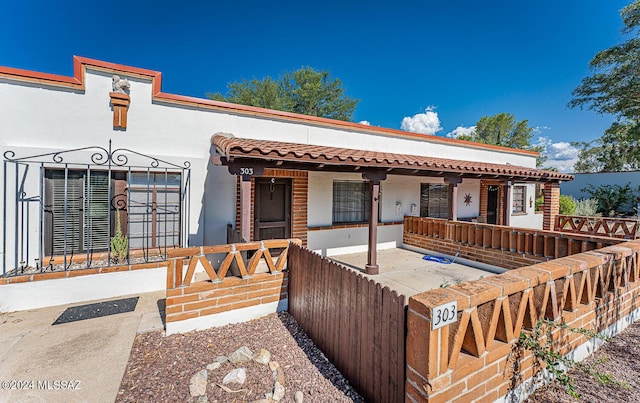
490 193
288 205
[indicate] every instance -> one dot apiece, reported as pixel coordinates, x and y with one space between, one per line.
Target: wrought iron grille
90 207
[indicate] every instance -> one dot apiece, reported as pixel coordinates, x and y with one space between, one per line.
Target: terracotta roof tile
293 152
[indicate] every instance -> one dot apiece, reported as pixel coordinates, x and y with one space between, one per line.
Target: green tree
613 89
504 130
306 91
611 198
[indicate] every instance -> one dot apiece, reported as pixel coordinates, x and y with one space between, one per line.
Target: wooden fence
358 324
503 246
599 226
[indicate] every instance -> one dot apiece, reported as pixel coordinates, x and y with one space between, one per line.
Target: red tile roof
232 147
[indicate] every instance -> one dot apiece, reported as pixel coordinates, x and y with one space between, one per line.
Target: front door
272 212
492 204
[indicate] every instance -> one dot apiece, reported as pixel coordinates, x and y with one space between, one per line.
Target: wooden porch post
246 170
506 220
453 182
245 208
372 256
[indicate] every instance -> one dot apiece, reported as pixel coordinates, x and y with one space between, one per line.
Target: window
80 209
434 200
351 202
154 210
519 199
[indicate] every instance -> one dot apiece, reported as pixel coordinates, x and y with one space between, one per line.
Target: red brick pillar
551 206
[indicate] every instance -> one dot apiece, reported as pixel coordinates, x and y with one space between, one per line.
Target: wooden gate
359 325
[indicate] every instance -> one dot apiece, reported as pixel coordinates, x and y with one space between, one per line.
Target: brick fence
471 359
506 247
198 293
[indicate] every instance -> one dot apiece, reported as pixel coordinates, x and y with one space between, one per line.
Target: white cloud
365 122
427 122
461 131
540 129
562 155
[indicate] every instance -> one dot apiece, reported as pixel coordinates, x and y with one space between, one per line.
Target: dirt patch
160 368
619 358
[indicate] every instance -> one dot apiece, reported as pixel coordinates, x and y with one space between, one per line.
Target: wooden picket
358 324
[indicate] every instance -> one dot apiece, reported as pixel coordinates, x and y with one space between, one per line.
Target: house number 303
246 171
444 314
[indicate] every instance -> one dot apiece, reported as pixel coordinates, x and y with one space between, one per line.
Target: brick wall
488 255
473 358
206 298
246 275
506 247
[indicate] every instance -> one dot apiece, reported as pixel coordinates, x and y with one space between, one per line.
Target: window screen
519 199
434 200
351 201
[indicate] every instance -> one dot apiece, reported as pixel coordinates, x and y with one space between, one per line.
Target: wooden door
492 204
272 209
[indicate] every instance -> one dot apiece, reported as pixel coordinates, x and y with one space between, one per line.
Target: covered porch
406 272
253 161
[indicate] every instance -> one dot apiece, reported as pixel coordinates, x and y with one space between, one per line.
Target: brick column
551 206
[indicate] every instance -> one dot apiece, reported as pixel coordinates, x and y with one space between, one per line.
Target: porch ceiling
322 158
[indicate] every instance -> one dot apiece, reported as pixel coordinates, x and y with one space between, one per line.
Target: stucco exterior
43 113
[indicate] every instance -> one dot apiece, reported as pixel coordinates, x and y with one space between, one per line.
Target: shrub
119 243
539 203
567 205
611 198
586 208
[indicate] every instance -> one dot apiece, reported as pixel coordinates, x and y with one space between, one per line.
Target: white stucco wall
530 219
40 118
583 180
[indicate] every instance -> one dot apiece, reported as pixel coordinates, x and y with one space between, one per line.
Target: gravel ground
619 357
160 368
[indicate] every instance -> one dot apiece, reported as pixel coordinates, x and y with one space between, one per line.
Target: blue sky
440 64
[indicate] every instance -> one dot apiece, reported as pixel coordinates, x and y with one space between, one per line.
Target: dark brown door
492 204
272 212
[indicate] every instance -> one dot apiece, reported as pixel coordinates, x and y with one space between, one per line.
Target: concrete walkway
89 357
86 357
408 273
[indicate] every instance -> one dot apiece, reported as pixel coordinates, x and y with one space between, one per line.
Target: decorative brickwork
551 207
190 297
505 247
472 358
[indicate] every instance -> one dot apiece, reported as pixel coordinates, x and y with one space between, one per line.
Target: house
107 149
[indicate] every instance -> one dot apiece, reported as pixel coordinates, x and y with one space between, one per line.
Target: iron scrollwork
99 156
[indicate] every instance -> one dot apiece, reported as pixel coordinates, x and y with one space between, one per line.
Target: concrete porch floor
407 273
